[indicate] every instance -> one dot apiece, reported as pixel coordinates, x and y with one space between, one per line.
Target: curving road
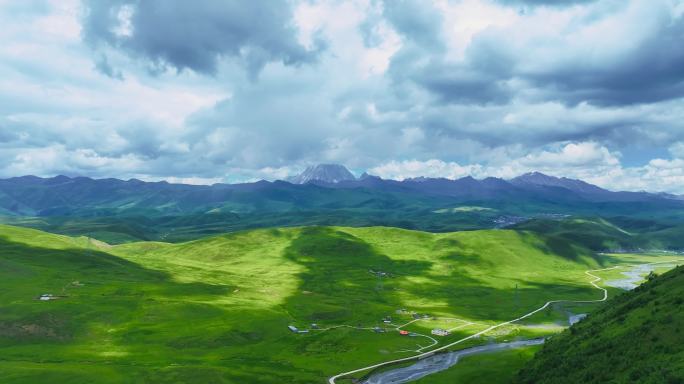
430 353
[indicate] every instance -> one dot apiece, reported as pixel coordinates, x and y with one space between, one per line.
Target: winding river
440 362
635 275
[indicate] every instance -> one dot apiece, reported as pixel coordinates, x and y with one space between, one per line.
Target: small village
389 324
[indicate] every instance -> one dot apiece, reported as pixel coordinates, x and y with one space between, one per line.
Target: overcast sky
208 91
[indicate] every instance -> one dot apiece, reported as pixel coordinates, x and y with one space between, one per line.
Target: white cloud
56 159
359 104
401 170
338 23
123 16
580 155
587 161
465 19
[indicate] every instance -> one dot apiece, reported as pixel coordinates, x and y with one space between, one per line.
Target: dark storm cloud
645 66
650 72
452 84
481 79
195 35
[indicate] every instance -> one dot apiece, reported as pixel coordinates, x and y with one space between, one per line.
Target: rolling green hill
636 337
217 309
612 234
122 229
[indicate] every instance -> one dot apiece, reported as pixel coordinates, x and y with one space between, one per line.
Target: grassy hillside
217 309
185 227
620 233
598 234
636 337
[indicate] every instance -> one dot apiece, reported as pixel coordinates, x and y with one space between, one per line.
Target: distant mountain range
337 176
322 187
118 211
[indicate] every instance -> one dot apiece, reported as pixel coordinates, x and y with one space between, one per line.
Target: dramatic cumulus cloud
210 91
196 35
588 161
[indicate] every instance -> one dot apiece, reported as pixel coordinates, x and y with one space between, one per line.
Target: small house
403 333
293 328
440 332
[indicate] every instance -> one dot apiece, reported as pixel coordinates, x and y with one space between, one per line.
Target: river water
635 276
443 361
440 362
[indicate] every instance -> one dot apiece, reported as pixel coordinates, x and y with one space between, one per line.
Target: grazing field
217 309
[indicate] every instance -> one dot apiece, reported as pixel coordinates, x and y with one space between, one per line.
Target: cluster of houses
297 330
386 320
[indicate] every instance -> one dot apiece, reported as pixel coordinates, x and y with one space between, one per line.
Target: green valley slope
217 309
618 233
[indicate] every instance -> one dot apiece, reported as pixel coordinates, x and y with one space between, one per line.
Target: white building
440 332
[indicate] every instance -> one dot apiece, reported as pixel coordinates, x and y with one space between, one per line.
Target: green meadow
216 310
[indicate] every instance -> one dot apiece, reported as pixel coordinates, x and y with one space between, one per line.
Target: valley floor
218 309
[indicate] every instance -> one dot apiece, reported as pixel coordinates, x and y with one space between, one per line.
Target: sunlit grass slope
217 309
